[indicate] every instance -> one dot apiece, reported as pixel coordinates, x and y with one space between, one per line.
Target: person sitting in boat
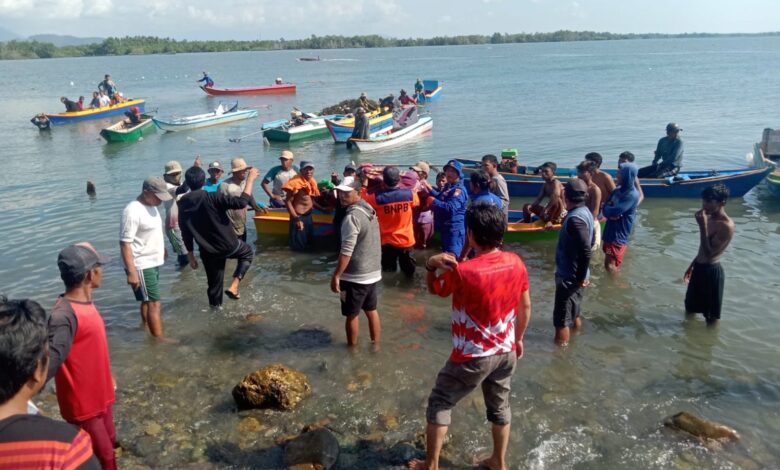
419 87
278 81
668 155
555 211
296 118
134 116
104 100
508 165
406 100
118 98
80 103
70 106
95 103
108 86
41 122
390 102
208 82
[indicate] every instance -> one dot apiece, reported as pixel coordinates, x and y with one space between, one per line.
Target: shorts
615 250
458 379
568 297
149 289
356 297
705 290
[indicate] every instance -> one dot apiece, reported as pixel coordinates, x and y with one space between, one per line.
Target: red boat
257 90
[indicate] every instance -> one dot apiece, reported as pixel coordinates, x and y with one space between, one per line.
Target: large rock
701 428
275 386
314 449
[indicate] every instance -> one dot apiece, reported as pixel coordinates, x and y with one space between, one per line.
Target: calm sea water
597 404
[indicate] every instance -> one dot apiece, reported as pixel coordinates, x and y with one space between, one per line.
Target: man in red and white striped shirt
491 306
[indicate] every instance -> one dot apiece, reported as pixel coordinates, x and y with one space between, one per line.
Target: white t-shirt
142 227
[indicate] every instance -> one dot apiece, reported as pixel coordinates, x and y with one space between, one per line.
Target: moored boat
256 90
687 184
204 120
341 131
431 91
395 137
95 113
767 153
283 130
121 132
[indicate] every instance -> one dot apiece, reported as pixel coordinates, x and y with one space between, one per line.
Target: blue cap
456 165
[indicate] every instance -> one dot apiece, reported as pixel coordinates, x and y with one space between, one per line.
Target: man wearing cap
301 191
449 209
358 270
143 250
172 179
215 177
339 210
422 215
394 207
203 218
572 257
279 175
78 351
668 155
234 186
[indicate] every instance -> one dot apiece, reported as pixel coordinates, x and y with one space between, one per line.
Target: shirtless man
301 191
552 189
585 171
705 276
603 180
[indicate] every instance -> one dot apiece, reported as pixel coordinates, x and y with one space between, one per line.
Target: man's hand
198 163
299 224
253 173
165 254
443 261
132 279
334 284
519 350
688 273
548 225
702 217
585 283
193 261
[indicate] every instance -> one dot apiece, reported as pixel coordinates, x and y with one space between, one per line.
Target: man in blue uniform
449 209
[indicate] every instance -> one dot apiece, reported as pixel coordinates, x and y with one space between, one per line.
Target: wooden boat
767 154
283 131
256 90
204 120
431 91
395 137
687 184
341 131
95 113
120 132
309 59
277 223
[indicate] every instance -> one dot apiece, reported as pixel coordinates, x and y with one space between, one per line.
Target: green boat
119 132
773 180
313 127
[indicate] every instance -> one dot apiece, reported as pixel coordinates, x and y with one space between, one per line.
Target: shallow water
599 403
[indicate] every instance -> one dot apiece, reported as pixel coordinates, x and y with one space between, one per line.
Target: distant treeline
139 45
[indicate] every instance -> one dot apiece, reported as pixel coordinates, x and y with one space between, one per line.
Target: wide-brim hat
238 164
172 167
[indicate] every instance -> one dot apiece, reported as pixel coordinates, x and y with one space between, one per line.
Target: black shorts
356 297
705 290
568 297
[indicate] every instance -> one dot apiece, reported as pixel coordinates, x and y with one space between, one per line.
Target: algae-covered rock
275 387
701 428
318 448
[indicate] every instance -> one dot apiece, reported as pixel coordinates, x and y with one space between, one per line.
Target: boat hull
260 90
399 137
96 113
313 128
773 181
277 223
115 133
691 184
197 122
342 132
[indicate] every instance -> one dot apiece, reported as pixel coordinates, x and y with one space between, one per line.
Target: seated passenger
95 103
552 189
70 106
80 103
278 81
406 99
134 116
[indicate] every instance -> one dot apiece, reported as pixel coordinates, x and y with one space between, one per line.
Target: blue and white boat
218 116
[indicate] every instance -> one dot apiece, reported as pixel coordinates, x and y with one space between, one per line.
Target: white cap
349 184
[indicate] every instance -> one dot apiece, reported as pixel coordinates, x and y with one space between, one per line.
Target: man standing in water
572 257
172 179
143 250
489 295
301 191
449 209
359 269
585 171
620 211
601 179
705 276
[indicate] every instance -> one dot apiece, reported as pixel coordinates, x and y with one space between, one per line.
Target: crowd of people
380 217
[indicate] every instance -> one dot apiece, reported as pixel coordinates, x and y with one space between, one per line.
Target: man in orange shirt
394 208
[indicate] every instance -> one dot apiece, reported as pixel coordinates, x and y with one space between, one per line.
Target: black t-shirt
53 444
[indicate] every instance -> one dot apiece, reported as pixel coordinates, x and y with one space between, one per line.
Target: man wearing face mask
172 179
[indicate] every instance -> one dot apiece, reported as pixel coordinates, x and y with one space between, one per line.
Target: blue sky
252 19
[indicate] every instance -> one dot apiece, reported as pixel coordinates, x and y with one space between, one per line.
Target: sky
293 19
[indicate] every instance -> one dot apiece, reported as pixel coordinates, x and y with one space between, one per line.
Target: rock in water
91 188
275 386
701 428
314 449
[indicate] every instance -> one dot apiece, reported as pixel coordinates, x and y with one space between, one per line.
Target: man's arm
582 237
126 249
62 329
436 284
523 317
265 184
676 155
540 196
639 189
341 266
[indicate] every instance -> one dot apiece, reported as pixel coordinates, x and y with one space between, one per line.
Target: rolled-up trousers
215 269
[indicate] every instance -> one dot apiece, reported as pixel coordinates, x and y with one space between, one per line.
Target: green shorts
149 290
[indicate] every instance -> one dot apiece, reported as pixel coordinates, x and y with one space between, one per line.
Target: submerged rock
314 449
701 428
275 387
309 338
249 425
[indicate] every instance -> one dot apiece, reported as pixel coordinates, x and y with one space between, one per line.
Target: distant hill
62 40
7 34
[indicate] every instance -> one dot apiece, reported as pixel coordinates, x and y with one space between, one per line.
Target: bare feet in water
416 464
488 461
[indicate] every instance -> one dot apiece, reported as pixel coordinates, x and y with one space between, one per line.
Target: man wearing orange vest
394 208
78 352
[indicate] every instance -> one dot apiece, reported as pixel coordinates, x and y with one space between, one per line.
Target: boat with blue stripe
95 113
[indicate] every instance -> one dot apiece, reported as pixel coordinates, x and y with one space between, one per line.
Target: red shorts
616 251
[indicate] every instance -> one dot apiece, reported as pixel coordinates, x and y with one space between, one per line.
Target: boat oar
238 139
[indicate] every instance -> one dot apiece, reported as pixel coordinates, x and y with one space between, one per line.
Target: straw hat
238 164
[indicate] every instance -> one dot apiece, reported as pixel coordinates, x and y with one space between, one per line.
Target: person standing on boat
498 183
203 219
279 175
172 177
668 155
70 106
491 308
301 191
572 258
235 186
705 276
620 211
208 82
449 209
143 250
108 86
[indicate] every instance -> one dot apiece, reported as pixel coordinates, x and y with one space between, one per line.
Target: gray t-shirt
237 216
278 176
502 191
